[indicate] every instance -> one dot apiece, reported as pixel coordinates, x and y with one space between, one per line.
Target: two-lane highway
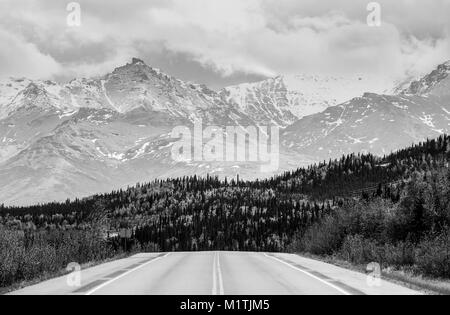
217 273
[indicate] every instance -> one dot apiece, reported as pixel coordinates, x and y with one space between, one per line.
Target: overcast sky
223 42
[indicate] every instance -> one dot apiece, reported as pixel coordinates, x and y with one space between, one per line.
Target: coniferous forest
394 210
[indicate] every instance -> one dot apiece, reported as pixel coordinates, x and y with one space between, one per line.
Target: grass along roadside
404 278
63 272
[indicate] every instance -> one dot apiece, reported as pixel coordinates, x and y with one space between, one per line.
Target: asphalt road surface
216 273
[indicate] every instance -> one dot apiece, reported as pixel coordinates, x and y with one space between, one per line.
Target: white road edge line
124 274
217 288
309 274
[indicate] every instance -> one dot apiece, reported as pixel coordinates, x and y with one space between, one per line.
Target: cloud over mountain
227 37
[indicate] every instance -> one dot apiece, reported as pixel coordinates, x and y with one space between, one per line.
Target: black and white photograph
224 155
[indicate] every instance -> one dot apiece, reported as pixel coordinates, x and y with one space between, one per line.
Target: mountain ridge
95 135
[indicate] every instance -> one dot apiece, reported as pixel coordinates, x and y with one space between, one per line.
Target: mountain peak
429 83
137 61
33 89
446 65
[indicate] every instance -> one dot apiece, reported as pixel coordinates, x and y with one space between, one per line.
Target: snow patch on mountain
107 97
285 99
93 135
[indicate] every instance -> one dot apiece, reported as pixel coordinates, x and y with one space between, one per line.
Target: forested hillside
362 207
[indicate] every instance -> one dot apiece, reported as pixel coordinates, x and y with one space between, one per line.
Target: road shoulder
402 278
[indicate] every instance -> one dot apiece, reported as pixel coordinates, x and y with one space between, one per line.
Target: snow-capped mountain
98 150
89 136
437 83
94 135
376 123
127 88
285 99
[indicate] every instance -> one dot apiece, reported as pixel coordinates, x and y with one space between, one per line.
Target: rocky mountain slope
88 136
127 88
376 123
285 99
94 135
434 84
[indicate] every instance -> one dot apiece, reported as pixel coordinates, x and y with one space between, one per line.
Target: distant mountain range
376 123
285 99
88 136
